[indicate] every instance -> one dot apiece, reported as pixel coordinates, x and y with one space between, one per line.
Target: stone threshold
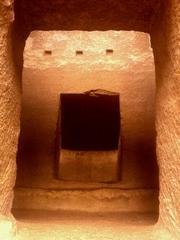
88 200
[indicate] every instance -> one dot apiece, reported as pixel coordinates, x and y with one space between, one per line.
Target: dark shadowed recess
86 15
90 122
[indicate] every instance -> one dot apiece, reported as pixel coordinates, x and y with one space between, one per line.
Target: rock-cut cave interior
89 119
88 123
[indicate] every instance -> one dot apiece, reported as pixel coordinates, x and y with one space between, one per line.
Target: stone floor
44 225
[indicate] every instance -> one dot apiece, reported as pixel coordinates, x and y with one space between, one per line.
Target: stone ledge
98 200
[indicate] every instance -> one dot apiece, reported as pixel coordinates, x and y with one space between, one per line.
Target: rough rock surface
166 44
166 37
86 15
129 71
114 200
9 111
9 120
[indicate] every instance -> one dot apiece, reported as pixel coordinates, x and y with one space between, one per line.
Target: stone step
90 200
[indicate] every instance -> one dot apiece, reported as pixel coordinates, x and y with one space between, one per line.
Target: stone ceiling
86 14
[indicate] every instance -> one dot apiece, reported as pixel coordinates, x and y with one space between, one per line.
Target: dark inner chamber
90 122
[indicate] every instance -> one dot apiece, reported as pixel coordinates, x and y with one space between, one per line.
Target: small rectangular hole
109 51
79 52
48 52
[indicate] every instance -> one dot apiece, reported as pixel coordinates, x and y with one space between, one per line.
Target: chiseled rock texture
128 71
166 44
9 110
136 15
86 15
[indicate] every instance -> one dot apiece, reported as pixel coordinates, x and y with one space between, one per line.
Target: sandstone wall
9 119
165 36
166 44
9 110
86 15
129 71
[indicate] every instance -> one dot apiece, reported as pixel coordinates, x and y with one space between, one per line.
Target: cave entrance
114 65
90 136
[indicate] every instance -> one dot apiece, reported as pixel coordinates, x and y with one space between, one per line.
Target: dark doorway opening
89 136
90 122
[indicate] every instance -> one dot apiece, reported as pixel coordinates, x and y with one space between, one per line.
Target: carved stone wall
9 110
166 44
129 71
9 118
166 39
86 15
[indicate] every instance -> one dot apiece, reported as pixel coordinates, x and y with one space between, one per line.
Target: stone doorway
159 18
89 148
99 62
